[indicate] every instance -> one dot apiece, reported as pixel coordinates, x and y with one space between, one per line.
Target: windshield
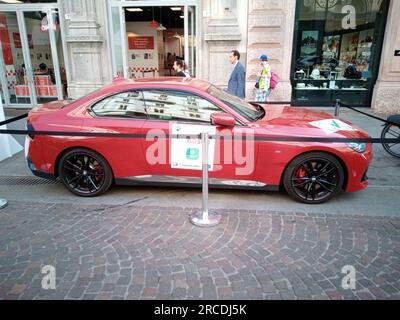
245 109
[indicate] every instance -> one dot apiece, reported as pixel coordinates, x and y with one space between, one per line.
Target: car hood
306 122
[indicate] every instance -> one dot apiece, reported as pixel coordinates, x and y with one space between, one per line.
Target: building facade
322 50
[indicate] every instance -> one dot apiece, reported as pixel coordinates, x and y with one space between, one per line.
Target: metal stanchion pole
204 218
3 203
337 107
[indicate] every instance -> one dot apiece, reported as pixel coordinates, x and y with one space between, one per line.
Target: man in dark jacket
237 82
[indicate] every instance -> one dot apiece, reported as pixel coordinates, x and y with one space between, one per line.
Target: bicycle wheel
391 131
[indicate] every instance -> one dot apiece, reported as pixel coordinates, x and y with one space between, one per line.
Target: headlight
358 147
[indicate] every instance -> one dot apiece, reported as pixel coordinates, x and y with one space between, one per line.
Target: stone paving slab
133 252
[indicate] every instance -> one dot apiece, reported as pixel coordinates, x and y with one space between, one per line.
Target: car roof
178 81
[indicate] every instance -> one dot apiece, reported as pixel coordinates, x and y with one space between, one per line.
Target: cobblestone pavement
132 252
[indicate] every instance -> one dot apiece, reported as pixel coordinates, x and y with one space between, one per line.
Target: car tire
314 178
85 172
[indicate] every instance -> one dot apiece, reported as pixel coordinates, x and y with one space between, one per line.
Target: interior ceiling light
181 17
11 1
134 9
161 27
153 24
176 8
176 35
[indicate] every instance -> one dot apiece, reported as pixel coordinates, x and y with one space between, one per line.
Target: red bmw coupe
310 172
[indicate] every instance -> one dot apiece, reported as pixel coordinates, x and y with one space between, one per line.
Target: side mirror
223 119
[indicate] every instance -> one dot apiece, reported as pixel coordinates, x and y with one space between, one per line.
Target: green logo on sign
335 124
192 153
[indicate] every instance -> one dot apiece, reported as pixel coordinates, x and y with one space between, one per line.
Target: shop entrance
31 56
148 36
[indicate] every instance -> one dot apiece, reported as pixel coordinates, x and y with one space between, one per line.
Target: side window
126 104
178 106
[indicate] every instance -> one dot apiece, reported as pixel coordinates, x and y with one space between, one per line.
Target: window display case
347 90
330 62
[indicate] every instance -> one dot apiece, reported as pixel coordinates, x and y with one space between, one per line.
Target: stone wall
270 31
387 89
86 38
222 29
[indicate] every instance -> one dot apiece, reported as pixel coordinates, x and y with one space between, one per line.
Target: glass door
32 69
118 40
14 66
190 35
42 30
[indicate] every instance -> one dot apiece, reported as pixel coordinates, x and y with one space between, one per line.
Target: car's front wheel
314 178
85 172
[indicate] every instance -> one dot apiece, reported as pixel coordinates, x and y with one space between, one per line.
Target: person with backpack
263 80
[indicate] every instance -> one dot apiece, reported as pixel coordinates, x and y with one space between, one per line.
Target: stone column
387 89
87 60
223 30
270 31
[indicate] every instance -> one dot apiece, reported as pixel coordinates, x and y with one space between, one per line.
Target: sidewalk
133 252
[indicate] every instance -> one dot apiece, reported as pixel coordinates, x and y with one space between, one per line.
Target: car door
166 108
124 113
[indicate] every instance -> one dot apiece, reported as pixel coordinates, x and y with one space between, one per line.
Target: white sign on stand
8 145
187 153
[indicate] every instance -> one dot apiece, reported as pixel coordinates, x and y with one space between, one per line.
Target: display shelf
353 89
314 89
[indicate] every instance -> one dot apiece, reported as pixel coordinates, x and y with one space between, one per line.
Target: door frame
153 3
19 10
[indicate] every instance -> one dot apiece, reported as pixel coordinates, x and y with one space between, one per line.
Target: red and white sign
42 91
17 40
5 40
141 43
44 25
42 80
53 91
21 90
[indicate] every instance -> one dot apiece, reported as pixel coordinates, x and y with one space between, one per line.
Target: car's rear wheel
314 178
85 172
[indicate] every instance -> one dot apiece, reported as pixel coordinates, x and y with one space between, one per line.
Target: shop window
337 49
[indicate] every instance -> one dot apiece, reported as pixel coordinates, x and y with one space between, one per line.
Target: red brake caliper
98 169
301 173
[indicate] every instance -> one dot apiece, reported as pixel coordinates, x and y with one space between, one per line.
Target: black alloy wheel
85 172
314 178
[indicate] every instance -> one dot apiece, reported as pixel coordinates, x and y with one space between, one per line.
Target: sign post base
203 219
3 203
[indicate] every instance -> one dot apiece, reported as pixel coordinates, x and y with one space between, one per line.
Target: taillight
30 128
